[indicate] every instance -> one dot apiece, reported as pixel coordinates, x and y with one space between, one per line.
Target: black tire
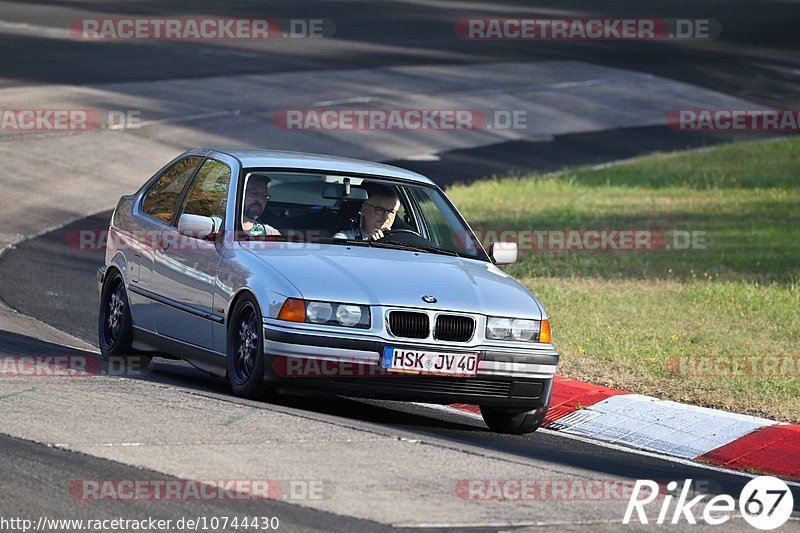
115 326
246 350
502 420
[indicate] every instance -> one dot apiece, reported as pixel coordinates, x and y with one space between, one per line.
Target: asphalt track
755 58
41 473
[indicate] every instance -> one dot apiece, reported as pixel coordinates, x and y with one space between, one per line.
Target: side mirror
504 253
196 226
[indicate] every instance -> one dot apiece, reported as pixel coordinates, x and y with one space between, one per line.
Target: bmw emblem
429 299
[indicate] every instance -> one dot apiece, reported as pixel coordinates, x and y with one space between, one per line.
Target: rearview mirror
338 191
196 226
504 253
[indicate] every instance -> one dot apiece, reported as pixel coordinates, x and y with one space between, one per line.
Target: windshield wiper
331 240
384 244
414 247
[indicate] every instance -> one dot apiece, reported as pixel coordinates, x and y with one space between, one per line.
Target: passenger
255 201
377 214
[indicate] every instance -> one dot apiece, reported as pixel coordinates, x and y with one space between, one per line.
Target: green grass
619 316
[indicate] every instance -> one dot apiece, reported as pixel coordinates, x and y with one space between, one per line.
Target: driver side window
208 193
441 222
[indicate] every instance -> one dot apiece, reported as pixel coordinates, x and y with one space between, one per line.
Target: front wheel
511 421
246 349
115 326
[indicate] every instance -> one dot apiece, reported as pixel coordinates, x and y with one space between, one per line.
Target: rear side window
208 193
161 199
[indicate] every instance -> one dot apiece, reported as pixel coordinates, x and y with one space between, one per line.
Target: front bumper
510 378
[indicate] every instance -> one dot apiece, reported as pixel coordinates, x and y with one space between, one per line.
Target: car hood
376 276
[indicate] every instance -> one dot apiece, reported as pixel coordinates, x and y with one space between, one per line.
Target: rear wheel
115 326
246 350
503 420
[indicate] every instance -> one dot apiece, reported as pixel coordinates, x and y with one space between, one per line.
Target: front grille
433 385
454 328
409 325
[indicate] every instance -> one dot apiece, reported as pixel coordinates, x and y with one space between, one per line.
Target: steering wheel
400 230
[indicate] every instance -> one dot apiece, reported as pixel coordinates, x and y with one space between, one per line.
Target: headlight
348 315
498 328
524 330
513 329
318 312
328 313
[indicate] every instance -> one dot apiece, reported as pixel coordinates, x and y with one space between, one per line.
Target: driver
377 213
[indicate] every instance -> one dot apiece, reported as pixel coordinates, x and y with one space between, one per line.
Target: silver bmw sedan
284 271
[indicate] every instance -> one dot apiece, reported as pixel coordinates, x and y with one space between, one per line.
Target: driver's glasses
256 195
380 211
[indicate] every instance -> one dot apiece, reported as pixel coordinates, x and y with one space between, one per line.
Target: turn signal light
293 310
544 332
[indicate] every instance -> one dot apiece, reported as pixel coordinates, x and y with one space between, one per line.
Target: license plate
425 362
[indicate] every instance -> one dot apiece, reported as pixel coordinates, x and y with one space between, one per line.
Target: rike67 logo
765 503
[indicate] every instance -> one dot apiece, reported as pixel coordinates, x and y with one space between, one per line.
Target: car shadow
181 374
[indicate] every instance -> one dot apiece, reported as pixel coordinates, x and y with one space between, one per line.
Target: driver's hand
380 233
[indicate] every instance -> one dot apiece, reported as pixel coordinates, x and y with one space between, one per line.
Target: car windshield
347 210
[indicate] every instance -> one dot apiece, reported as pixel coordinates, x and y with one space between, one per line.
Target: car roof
259 158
